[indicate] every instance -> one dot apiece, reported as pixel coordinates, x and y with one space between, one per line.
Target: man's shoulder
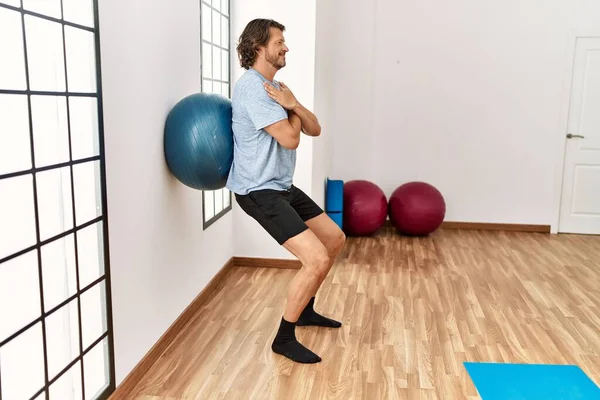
250 81
249 89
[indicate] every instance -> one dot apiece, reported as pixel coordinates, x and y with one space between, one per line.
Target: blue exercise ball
198 141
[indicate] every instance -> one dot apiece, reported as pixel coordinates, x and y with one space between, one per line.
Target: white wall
587 15
160 256
299 19
326 26
349 47
466 96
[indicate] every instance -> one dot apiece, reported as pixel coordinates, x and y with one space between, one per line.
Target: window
55 319
215 73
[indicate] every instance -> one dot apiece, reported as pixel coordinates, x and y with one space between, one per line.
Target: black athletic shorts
281 213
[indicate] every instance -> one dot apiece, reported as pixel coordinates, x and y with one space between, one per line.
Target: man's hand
283 96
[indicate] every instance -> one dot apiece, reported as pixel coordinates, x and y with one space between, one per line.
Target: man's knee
320 263
336 244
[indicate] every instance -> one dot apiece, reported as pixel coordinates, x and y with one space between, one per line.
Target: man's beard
275 62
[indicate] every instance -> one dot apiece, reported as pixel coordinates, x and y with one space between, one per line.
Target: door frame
563 123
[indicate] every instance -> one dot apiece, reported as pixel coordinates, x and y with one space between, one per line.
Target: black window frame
216 215
108 335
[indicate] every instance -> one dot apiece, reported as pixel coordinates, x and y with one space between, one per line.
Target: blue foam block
495 381
334 195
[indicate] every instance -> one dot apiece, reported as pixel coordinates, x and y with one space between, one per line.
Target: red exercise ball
417 209
365 208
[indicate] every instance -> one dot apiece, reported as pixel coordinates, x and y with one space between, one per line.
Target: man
267 122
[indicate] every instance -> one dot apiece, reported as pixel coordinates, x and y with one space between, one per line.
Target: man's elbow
292 144
293 138
313 130
289 141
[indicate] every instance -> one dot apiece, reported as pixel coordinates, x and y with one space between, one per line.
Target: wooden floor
413 309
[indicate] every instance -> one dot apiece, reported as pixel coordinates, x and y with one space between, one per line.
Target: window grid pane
216 67
19 284
63 337
15 147
96 366
55 207
50 132
52 157
58 271
23 362
215 73
12 67
209 205
216 28
45 53
18 221
83 119
80 48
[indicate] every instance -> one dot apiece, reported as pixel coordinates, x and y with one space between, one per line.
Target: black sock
285 343
310 317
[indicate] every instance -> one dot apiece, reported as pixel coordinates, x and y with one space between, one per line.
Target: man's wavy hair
257 33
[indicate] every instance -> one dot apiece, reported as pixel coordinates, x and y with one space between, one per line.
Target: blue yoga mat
334 200
334 195
497 381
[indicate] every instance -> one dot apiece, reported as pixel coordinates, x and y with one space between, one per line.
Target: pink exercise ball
417 209
365 208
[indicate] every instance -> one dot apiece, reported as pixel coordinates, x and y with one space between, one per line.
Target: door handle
571 136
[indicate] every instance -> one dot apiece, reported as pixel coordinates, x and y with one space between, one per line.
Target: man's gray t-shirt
259 161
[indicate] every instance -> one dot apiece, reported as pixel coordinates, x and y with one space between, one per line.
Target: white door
580 203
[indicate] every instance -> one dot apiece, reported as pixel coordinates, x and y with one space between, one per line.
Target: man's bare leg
333 239
315 262
313 255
